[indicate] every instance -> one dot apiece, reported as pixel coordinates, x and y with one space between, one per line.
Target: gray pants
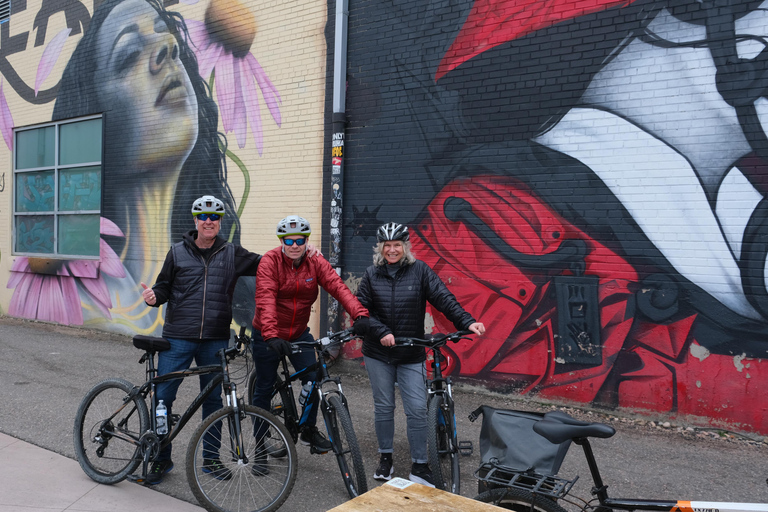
411 379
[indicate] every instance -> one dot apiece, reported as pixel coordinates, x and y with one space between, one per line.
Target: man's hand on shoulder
313 251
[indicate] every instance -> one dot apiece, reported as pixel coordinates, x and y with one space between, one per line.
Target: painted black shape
75 13
364 222
10 45
657 297
578 321
570 251
754 252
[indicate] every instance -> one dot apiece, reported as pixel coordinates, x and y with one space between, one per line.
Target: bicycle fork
236 428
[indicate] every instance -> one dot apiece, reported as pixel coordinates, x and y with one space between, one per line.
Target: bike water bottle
306 389
162 419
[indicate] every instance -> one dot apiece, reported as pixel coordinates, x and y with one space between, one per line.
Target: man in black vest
197 281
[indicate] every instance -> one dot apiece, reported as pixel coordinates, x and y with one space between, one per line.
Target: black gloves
361 325
279 345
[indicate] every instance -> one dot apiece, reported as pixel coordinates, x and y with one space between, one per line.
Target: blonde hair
378 258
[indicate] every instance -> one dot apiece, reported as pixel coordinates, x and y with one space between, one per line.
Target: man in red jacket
286 287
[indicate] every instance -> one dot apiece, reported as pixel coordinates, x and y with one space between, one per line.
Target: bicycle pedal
138 479
315 451
465 448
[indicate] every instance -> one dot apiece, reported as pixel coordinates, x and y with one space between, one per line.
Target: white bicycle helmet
207 204
293 225
392 231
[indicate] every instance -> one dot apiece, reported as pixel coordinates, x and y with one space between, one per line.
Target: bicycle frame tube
196 403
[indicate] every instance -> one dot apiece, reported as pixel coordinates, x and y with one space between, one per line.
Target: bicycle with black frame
115 432
332 403
521 454
443 446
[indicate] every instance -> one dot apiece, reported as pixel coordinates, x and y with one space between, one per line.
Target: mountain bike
333 405
115 432
540 441
443 446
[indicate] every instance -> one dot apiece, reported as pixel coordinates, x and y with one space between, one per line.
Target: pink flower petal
252 107
51 305
14 279
50 56
107 227
97 289
6 119
20 295
271 96
225 90
84 268
241 121
30 291
20 265
71 299
207 59
110 261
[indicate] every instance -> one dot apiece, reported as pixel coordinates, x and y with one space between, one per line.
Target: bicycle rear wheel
250 481
442 444
108 425
519 500
344 440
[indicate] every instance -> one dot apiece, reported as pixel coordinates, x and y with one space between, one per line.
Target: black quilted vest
200 306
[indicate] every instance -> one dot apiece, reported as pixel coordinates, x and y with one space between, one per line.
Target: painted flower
6 119
54 296
222 44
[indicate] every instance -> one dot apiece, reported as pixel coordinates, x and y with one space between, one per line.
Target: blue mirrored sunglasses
291 241
206 216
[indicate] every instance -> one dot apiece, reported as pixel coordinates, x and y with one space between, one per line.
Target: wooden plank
399 495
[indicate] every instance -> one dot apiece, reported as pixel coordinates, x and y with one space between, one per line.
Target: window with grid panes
57 189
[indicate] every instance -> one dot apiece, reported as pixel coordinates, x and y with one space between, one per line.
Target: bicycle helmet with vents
392 231
207 204
293 225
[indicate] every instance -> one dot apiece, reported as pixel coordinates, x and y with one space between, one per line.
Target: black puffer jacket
398 305
198 286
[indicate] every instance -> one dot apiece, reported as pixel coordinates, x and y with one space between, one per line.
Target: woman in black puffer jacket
395 290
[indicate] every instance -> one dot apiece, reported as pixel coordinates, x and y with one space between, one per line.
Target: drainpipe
337 149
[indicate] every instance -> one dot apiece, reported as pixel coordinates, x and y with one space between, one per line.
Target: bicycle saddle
151 343
558 427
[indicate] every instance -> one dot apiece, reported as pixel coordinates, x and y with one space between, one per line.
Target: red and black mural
588 179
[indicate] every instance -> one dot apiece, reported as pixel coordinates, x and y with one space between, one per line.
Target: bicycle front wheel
442 444
108 426
519 500
344 440
228 466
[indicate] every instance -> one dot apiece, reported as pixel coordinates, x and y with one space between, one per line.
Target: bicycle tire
442 444
244 490
104 418
346 448
519 500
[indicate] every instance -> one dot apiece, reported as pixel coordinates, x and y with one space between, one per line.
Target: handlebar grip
242 331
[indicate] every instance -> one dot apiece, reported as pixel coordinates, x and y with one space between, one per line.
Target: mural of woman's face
151 107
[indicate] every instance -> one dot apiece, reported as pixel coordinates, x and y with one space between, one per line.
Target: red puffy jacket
285 294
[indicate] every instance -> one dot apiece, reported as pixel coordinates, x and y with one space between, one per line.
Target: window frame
57 168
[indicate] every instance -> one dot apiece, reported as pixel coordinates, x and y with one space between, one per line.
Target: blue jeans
266 362
411 379
179 357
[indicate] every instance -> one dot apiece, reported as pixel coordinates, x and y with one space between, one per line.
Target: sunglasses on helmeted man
290 241
206 216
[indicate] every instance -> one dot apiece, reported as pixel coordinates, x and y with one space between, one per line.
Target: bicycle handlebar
332 339
436 340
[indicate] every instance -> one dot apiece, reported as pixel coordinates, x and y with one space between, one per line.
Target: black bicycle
443 446
522 453
333 405
115 433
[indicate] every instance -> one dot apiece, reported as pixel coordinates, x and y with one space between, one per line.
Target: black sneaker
421 474
216 469
385 469
158 470
310 436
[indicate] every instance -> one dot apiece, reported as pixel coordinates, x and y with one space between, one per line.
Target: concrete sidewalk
36 480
